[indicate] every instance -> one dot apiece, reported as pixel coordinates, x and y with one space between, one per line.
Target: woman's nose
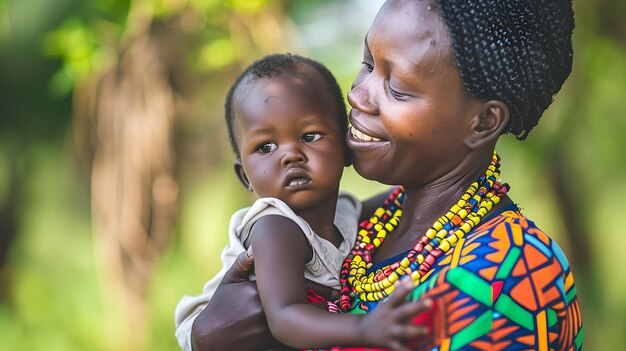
362 96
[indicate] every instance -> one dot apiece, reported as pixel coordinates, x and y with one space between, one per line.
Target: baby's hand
391 325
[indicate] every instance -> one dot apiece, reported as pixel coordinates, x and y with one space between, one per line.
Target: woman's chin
370 170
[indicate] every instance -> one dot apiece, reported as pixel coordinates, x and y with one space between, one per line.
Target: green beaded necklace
474 204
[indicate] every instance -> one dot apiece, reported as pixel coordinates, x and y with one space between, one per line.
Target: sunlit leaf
248 6
76 45
217 54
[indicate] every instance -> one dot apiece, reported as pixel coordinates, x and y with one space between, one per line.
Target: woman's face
410 113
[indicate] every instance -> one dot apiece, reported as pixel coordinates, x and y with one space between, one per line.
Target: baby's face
289 139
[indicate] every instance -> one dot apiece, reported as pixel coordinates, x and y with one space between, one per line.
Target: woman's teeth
361 136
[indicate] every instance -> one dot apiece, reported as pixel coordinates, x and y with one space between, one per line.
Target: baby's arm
281 252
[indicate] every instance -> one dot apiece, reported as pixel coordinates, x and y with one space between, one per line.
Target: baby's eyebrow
271 97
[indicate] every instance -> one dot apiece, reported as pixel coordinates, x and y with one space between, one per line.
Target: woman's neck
423 205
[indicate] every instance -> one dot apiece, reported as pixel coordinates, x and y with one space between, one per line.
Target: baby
287 122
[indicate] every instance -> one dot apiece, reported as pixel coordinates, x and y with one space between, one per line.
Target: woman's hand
234 318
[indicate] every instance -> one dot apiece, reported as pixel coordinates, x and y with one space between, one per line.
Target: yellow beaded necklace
474 204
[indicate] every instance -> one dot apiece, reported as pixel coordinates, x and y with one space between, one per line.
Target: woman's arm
281 252
235 309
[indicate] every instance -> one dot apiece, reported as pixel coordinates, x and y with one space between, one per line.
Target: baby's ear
488 124
348 157
241 175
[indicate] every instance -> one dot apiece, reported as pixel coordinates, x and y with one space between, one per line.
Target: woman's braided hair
519 52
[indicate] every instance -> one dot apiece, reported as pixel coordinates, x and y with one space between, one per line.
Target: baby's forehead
285 90
301 83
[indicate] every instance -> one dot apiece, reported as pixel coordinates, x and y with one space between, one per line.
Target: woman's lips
359 135
358 141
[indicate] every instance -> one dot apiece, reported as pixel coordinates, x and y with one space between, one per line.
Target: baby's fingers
411 332
411 309
398 346
400 292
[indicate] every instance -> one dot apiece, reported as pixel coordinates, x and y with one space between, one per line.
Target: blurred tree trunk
127 118
580 170
128 124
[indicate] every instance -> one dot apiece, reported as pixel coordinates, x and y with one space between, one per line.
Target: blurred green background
115 171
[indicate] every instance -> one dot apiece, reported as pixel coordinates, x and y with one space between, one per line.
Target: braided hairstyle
271 66
518 52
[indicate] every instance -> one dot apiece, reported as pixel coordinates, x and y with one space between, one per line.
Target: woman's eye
310 137
369 67
267 148
396 94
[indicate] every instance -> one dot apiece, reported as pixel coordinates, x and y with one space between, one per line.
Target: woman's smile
357 134
359 137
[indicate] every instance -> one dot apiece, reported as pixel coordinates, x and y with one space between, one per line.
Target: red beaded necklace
477 201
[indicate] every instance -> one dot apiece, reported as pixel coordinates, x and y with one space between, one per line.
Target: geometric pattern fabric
505 286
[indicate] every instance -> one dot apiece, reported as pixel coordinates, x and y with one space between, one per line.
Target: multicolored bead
474 204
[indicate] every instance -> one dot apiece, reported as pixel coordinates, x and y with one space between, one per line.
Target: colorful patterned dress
505 286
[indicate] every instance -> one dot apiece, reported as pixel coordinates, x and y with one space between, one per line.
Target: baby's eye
311 137
267 148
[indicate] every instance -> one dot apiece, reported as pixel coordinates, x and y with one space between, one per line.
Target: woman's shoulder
510 269
508 253
510 243
511 227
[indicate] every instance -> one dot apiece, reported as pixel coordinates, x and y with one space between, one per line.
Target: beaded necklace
474 204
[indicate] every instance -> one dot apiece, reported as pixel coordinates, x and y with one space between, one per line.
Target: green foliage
216 54
57 298
75 44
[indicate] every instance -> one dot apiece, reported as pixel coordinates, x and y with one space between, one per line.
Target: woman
440 83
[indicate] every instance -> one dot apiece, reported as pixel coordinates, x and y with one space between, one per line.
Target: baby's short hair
273 65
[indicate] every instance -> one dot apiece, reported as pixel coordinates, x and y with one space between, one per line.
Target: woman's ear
241 175
488 124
